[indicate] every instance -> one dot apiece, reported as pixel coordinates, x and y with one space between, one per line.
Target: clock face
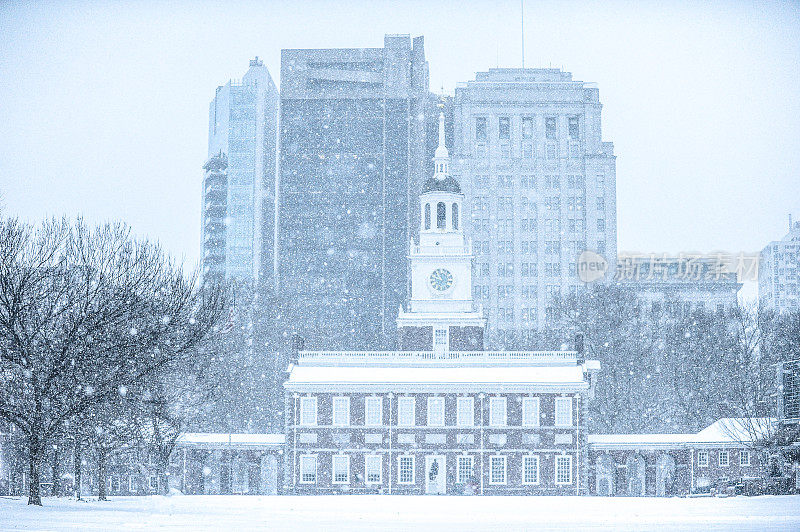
441 279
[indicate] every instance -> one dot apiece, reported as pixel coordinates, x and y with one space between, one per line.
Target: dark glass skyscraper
353 155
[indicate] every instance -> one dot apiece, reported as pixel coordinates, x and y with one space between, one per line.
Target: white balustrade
431 358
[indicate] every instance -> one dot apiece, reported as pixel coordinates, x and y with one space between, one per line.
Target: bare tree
83 312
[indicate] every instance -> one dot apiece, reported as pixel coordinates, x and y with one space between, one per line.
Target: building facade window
341 411
480 129
465 469
563 411
405 468
373 470
530 411
527 127
308 469
702 458
530 469
497 470
405 412
427 216
550 128
723 458
308 411
373 411
435 411
341 469
564 469
497 411
455 216
744 458
465 412
504 128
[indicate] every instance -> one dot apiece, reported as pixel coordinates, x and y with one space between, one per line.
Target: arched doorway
636 479
604 475
665 475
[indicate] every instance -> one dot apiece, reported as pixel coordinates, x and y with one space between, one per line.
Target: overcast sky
104 106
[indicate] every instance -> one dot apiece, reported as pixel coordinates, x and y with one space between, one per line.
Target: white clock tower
441 314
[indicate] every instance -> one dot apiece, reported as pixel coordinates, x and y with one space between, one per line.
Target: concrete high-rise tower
352 154
779 272
540 187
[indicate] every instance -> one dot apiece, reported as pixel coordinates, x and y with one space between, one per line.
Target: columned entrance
435 475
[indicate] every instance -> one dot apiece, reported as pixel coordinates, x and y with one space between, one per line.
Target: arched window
455 216
427 216
441 216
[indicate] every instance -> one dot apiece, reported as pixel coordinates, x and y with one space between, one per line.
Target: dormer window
441 215
427 216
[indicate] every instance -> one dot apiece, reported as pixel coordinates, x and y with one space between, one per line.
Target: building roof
487 379
448 184
219 439
725 431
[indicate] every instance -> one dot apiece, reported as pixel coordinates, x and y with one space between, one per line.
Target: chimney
579 348
298 344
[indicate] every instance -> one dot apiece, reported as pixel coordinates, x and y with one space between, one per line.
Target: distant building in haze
779 272
540 187
353 155
238 209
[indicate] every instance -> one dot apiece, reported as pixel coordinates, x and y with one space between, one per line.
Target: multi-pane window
341 469
436 411
601 203
504 181
564 469
601 225
465 411
373 411
702 458
308 469
465 469
550 128
308 410
573 129
372 469
480 128
744 458
563 411
724 458
527 127
497 411
405 411
505 269
552 181
528 182
341 411
505 291
530 411
497 470
405 467
530 469
153 482
504 128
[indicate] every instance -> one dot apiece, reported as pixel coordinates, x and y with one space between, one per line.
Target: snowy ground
344 513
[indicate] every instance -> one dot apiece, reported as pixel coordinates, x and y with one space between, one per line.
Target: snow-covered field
344 513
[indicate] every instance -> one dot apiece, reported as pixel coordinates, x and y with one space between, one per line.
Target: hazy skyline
105 105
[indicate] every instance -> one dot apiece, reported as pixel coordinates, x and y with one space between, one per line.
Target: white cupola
441 201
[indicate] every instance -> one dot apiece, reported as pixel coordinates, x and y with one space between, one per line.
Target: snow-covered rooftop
725 431
495 378
431 358
219 439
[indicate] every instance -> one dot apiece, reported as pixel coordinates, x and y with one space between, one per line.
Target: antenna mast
522 28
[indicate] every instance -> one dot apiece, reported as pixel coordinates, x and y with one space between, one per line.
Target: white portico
441 314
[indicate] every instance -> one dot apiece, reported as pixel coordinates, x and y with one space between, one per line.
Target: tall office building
779 272
540 188
238 210
353 156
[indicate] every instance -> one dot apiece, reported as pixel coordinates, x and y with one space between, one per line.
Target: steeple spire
441 158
